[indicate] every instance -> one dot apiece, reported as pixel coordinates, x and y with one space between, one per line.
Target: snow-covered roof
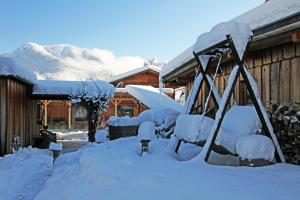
152 98
134 71
265 14
10 68
164 90
239 32
72 88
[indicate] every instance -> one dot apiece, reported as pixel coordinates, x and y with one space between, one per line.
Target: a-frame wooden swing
222 105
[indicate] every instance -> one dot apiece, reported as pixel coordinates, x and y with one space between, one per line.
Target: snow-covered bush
94 96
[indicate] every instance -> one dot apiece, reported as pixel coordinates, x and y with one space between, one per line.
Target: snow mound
146 131
238 121
193 128
24 173
255 147
114 170
101 136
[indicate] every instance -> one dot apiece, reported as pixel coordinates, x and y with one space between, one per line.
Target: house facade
124 104
19 113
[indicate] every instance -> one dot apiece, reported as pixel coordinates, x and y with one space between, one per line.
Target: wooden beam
116 108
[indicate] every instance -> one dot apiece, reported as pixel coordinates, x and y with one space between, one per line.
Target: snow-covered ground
24 173
72 140
115 170
72 135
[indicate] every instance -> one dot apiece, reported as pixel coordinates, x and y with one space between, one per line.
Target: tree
95 100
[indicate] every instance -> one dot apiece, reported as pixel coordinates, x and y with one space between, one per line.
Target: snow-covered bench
238 121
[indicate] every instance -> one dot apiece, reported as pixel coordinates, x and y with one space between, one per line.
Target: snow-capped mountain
67 62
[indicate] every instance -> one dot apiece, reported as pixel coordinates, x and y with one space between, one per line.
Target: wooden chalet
273 57
19 113
123 104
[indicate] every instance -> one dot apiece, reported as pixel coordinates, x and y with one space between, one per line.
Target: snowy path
33 185
24 173
72 145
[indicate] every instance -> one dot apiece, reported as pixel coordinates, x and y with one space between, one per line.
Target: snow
239 32
242 120
269 12
193 128
101 136
266 13
55 146
255 147
134 71
68 62
8 67
157 116
164 90
192 95
115 170
93 89
146 131
152 98
23 174
264 113
238 121
123 121
72 135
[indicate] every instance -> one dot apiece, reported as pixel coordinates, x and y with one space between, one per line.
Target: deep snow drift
24 173
115 170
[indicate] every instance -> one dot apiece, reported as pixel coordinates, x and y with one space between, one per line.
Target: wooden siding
276 71
143 78
18 114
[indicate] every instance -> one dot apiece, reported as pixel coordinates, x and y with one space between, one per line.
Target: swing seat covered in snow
238 122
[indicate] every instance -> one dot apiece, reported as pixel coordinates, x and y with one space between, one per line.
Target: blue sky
146 28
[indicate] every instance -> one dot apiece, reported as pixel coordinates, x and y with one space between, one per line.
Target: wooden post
116 108
69 104
46 103
45 112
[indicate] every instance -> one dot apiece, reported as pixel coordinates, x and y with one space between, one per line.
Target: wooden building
123 104
19 113
273 58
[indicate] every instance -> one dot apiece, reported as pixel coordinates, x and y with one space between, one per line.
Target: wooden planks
266 85
295 80
284 81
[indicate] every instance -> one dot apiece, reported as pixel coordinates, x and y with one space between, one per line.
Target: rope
211 86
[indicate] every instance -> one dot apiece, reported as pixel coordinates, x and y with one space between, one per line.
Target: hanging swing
205 131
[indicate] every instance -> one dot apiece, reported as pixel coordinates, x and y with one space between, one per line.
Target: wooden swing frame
266 130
